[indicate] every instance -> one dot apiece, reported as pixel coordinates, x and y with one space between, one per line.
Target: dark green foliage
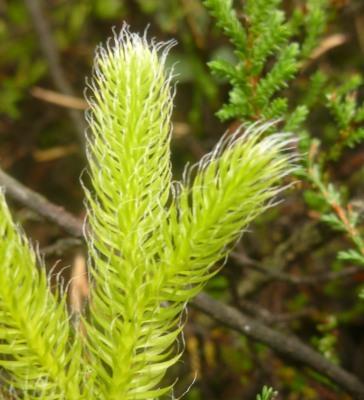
315 21
229 23
268 58
348 115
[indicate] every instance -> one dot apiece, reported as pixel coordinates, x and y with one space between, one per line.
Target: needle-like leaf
35 334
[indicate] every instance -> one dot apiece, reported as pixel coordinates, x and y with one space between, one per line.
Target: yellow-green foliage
37 352
152 243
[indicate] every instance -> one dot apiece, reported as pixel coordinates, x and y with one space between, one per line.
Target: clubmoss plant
153 243
38 356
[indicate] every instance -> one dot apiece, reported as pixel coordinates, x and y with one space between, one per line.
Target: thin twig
42 206
287 345
327 44
313 280
59 99
61 246
51 53
303 239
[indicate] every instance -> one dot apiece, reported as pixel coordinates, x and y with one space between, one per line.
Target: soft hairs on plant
37 352
152 243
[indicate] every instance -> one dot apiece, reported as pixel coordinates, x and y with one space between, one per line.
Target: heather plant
153 243
272 49
270 54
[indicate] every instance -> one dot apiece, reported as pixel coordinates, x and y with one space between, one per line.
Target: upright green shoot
152 243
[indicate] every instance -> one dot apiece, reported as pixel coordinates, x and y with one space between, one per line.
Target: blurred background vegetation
305 292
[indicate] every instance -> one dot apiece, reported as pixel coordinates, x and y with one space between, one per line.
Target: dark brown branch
61 246
40 205
268 317
287 345
50 51
316 279
284 344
